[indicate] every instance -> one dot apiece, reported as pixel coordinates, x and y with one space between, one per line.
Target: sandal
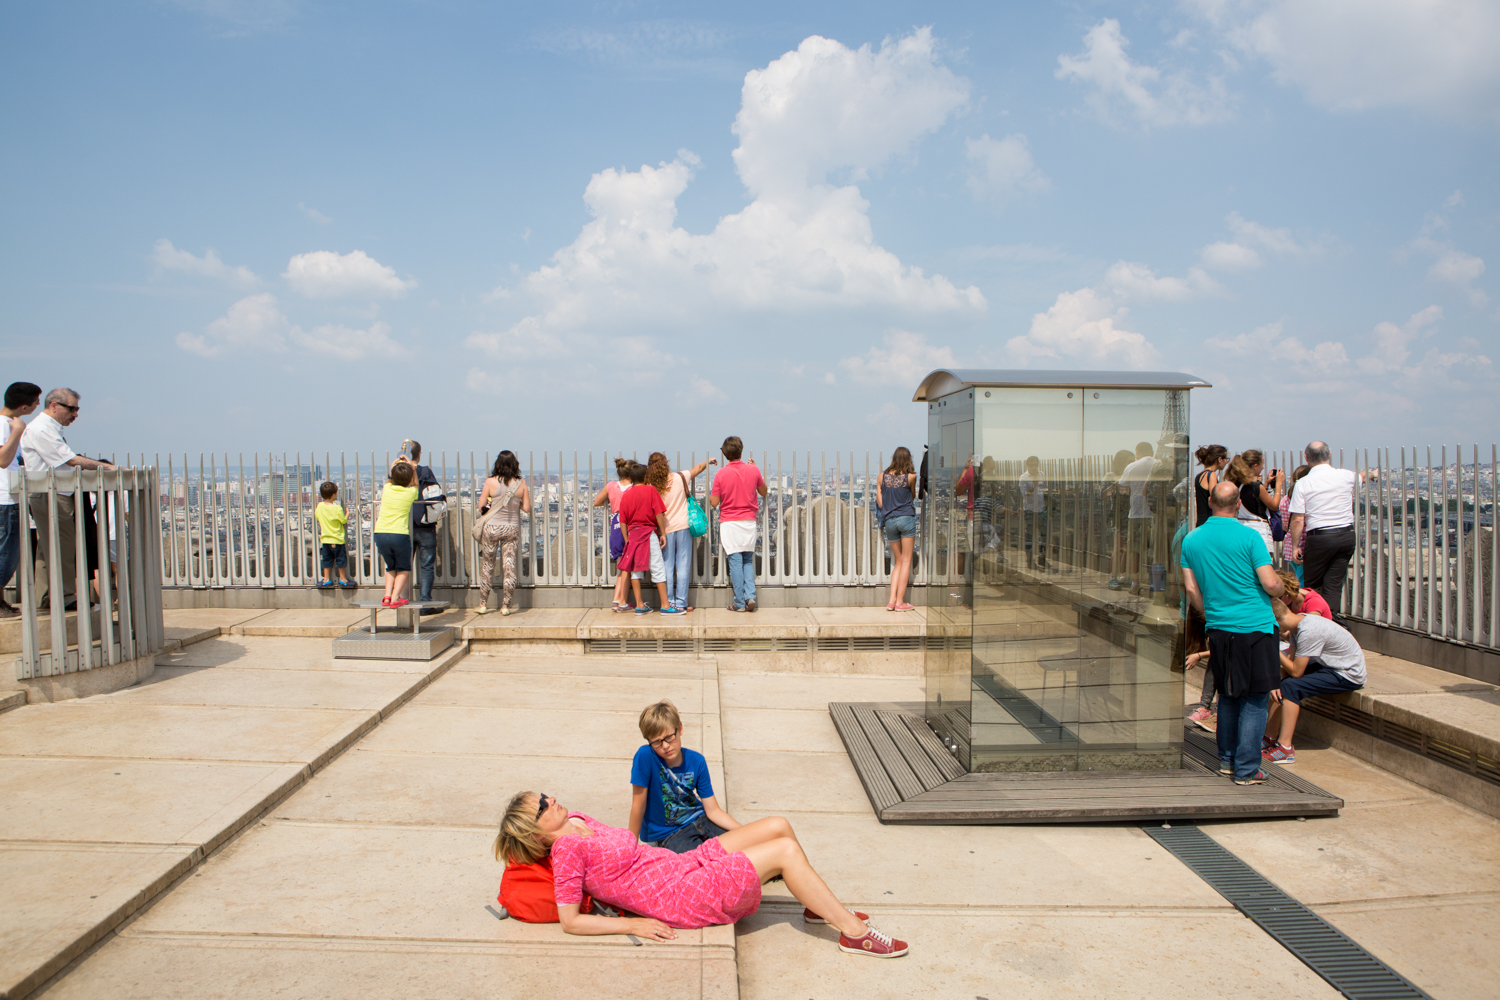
906 607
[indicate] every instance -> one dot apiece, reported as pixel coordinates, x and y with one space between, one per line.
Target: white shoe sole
871 954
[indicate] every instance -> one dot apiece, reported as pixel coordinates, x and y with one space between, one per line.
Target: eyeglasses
70 409
542 803
663 742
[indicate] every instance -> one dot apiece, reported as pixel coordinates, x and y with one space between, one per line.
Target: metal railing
117 585
250 523
1425 559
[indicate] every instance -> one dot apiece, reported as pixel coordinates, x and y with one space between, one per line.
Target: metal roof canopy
945 381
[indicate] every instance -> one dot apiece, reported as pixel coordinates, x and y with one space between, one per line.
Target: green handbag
697 520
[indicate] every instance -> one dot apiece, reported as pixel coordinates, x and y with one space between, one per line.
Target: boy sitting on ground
1325 659
672 797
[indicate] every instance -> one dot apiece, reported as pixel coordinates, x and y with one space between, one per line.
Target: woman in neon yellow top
393 531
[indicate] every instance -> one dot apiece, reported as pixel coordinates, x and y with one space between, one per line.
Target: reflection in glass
1055 516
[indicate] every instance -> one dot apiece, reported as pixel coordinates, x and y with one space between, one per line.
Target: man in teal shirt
1229 578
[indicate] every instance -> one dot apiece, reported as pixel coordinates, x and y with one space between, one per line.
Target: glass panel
1026 639
948 596
1130 616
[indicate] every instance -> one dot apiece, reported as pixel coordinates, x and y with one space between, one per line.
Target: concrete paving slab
1426 847
234 686
766 623
809 731
280 653
814 692
801 782
60 899
528 623
992 954
544 692
225 618
371 786
591 665
310 623
160 967
102 728
426 728
1446 946
866 862
90 799
1390 675
826 618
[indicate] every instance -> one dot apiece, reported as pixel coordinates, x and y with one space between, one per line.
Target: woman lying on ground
716 883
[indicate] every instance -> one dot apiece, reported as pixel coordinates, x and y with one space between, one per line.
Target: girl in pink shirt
716 883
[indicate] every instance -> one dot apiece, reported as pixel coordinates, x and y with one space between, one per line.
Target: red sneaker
876 944
385 602
400 602
809 917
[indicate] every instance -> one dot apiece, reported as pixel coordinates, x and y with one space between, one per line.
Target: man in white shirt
1135 476
1322 527
44 447
21 399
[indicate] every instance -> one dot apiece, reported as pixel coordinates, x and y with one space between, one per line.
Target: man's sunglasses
70 409
541 804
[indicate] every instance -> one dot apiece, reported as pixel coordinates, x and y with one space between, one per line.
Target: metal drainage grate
1348 968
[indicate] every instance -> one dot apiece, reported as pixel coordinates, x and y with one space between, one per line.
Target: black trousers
1325 563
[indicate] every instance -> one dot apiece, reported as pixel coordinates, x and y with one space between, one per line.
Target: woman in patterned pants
502 532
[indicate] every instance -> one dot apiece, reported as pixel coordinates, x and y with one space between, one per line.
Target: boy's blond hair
660 719
520 839
1279 608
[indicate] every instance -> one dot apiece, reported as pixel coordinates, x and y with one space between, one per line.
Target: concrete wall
1454 657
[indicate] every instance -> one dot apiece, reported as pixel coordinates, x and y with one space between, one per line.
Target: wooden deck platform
911 777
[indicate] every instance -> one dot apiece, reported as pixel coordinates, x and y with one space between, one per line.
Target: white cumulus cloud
324 274
811 123
1353 55
904 357
1001 169
1148 95
167 258
253 322
1251 239
256 323
1223 256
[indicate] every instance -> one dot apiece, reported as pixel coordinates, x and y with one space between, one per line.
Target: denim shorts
897 528
395 550
335 556
1317 680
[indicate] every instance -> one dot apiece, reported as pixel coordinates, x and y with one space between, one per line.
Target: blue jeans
1242 723
10 541
690 836
678 556
424 540
742 577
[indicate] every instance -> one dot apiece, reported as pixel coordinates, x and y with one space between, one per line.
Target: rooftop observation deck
258 817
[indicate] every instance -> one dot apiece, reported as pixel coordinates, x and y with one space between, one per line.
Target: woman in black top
1213 458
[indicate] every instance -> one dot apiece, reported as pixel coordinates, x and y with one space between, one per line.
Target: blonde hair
660 719
520 840
1242 469
1279 608
1289 583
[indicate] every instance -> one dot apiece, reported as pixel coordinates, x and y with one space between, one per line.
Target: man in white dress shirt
44 447
1322 527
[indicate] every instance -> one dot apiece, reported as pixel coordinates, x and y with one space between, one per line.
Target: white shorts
658 565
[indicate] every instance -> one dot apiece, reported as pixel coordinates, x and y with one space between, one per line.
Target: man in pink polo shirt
736 492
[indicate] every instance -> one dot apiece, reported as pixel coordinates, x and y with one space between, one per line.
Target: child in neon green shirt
393 529
332 537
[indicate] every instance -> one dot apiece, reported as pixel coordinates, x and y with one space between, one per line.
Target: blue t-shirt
672 794
1224 554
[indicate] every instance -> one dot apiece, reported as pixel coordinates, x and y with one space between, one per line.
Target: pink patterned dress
702 887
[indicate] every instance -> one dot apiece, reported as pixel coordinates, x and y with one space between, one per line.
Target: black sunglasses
70 409
541 805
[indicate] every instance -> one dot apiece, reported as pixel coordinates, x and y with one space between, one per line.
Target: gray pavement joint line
1323 948
114 923
792 908
315 942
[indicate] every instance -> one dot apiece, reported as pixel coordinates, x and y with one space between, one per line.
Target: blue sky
288 225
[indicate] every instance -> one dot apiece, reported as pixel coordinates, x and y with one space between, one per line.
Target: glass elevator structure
1056 505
